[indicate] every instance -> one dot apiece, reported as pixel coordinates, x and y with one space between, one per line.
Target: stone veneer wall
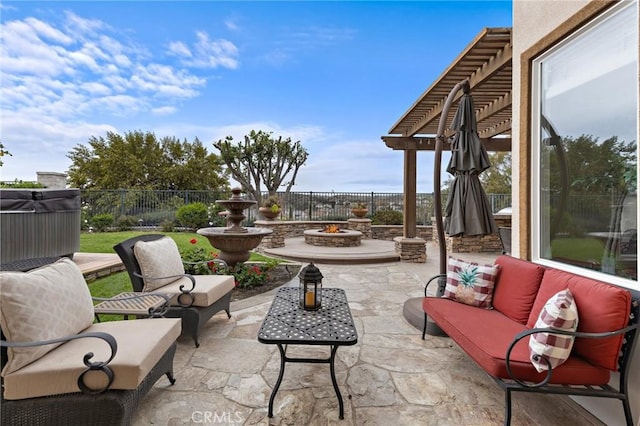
476 244
288 229
389 232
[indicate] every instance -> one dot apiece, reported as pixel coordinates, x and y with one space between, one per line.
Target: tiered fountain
235 241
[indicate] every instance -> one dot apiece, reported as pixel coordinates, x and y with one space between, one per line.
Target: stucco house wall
532 22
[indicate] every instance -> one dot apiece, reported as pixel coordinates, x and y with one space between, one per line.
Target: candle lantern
310 287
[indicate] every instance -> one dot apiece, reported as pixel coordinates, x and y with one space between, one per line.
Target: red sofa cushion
516 287
601 307
485 336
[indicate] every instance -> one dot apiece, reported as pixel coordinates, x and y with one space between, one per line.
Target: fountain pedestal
234 241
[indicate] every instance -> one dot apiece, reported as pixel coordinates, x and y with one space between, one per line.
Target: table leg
277 385
332 368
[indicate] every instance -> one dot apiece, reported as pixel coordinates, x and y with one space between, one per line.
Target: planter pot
267 213
359 212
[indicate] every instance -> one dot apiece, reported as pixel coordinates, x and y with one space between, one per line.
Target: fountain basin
234 246
342 238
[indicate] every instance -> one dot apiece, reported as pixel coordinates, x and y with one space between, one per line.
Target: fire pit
332 236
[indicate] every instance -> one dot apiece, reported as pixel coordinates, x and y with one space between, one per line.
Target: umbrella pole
436 182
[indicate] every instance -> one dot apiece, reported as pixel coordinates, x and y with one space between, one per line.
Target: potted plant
359 209
270 207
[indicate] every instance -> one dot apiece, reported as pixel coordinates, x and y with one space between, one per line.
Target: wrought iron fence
151 208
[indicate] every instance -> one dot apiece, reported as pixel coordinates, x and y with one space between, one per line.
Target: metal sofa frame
193 317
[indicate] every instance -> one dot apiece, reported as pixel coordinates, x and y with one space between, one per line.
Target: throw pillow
43 304
157 259
470 283
560 312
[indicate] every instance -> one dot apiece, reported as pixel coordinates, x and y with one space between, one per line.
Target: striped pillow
470 283
560 312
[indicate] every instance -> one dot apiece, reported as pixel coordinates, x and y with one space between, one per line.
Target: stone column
412 250
362 225
276 238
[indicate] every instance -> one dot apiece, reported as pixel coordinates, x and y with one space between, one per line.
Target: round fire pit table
342 238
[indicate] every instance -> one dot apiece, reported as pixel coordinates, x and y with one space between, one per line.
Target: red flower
237 283
256 269
193 241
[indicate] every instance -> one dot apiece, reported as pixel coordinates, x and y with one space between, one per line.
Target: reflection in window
587 121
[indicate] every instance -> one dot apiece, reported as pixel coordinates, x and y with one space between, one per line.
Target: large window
585 129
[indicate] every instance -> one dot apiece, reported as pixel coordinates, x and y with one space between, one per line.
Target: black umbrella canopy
467 211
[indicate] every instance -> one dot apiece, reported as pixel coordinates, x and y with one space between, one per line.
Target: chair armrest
91 366
158 312
185 299
432 279
547 378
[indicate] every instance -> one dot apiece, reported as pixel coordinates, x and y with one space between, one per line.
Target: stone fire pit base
344 238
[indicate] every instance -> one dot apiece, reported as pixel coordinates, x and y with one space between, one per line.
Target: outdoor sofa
153 263
59 368
516 299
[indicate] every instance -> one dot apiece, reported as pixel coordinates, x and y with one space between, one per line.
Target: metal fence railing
151 208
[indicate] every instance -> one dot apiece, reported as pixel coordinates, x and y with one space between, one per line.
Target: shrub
125 223
167 225
102 221
193 215
387 216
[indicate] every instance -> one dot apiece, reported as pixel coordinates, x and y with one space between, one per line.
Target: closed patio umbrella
467 211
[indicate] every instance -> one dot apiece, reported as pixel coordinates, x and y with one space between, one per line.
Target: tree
262 159
138 160
3 152
497 178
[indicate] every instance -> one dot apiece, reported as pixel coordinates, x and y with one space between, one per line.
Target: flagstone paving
390 377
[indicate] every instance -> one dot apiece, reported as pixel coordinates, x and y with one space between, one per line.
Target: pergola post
410 193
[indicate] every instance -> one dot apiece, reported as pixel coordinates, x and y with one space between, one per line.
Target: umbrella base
434 330
413 313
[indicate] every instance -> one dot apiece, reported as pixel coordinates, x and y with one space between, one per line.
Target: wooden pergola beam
418 143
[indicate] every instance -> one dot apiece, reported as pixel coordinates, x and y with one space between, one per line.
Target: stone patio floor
390 377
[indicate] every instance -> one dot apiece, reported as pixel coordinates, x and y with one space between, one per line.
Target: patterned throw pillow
560 312
470 283
158 258
43 304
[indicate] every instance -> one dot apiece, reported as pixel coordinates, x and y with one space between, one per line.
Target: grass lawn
582 249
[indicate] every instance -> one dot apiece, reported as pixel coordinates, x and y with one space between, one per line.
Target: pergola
486 64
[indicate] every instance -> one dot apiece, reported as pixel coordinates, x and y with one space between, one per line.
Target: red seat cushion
485 336
601 307
516 288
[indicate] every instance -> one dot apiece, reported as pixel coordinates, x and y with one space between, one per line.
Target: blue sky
334 75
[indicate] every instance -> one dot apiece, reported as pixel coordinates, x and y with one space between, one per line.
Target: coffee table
150 305
287 323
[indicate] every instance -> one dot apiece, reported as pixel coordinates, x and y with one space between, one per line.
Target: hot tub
38 223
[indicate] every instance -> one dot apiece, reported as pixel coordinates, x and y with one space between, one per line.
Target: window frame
532 60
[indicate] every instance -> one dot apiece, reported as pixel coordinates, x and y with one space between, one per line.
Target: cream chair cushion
43 304
158 258
208 290
141 344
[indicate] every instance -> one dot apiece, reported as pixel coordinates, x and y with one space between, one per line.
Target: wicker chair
184 289
94 378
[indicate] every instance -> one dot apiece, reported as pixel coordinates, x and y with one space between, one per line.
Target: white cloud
165 110
231 25
180 49
206 53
